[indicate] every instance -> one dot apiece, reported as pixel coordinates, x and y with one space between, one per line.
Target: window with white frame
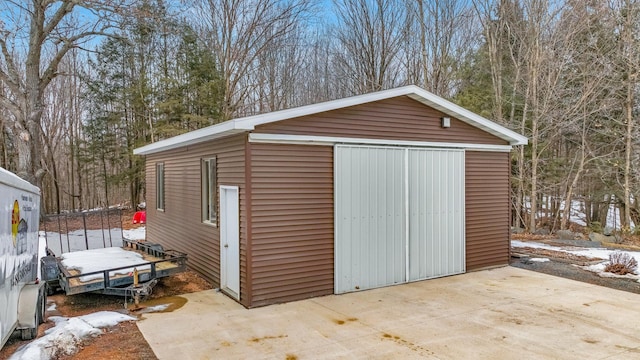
160 186
209 214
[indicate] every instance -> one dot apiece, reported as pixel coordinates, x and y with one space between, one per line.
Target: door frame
230 240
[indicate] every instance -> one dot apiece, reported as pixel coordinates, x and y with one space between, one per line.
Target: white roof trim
330 141
193 137
249 123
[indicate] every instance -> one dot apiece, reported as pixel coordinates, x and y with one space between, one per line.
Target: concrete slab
505 313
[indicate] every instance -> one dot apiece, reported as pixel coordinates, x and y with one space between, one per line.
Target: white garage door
399 215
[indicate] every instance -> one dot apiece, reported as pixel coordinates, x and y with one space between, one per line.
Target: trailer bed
150 261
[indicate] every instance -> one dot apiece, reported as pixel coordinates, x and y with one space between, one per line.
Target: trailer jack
138 291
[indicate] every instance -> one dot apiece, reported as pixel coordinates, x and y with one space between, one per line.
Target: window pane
160 186
209 190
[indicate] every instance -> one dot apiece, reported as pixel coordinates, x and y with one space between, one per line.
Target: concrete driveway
505 313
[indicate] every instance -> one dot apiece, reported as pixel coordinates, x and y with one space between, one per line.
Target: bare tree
628 18
34 38
369 37
446 34
238 33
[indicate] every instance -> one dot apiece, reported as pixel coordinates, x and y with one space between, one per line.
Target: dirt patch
123 341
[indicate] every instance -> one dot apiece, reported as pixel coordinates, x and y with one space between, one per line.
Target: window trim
160 187
208 187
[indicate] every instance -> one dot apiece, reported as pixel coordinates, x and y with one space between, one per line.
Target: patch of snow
539 260
157 308
532 244
598 253
67 334
577 212
599 269
103 319
135 234
75 240
52 307
89 261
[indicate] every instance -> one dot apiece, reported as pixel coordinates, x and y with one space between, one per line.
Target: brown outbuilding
347 195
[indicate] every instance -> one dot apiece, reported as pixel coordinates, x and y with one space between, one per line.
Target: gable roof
249 123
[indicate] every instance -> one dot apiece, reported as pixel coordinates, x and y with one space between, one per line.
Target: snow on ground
577 214
96 239
67 334
539 259
135 234
599 253
157 308
75 240
52 307
102 259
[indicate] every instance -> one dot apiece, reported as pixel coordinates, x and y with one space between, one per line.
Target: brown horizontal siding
291 222
400 118
487 209
180 226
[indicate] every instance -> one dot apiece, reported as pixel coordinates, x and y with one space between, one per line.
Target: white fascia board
330 141
467 116
193 137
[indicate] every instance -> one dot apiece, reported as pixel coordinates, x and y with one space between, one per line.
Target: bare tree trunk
629 103
569 195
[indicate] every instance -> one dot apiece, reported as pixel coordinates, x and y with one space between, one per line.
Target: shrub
621 263
596 227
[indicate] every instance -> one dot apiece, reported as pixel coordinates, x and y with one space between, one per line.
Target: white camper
22 296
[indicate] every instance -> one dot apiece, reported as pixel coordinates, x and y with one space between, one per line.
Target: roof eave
213 132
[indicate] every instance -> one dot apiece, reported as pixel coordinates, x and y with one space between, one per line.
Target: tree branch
68 44
64 9
11 106
12 79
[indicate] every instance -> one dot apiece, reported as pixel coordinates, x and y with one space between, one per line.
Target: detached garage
347 195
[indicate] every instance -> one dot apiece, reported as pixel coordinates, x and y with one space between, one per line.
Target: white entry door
230 241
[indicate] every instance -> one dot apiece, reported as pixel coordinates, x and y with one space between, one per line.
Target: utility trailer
22 296
132 270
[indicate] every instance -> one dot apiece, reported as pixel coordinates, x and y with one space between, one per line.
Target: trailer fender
31 304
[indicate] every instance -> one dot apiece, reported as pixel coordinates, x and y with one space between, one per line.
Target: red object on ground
140 217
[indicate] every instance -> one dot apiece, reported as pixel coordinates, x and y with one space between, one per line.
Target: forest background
84 82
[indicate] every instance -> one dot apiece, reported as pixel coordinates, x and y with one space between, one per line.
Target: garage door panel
369 218
436 207
399 215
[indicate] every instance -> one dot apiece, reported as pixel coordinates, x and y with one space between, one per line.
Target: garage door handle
226 245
